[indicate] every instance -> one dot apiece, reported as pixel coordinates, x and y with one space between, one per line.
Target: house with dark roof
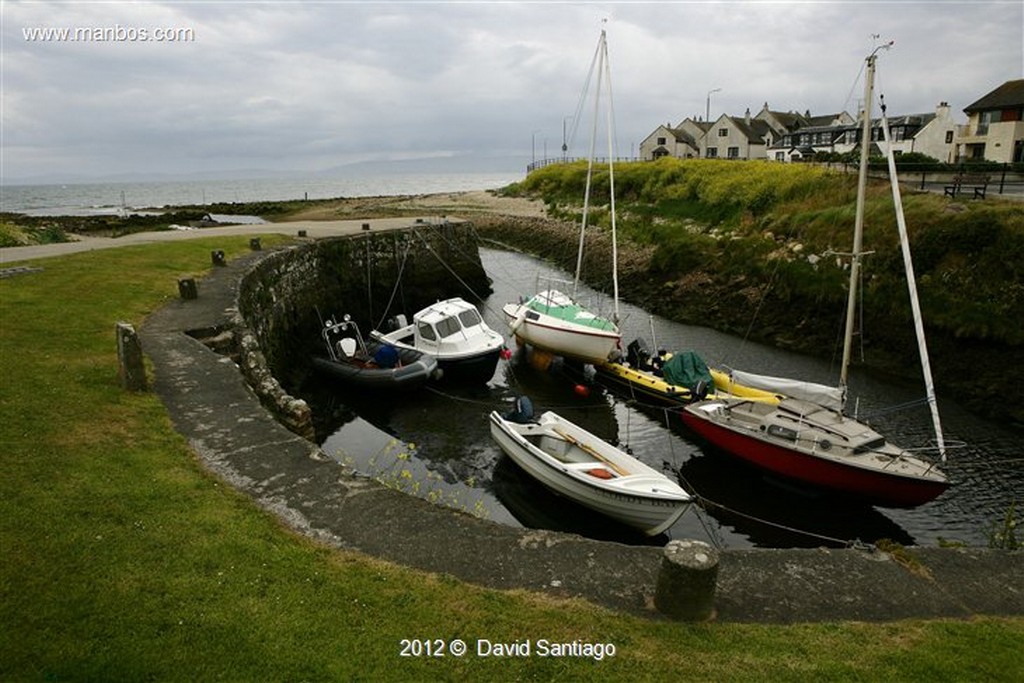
732 137
995 126
680 142
930 133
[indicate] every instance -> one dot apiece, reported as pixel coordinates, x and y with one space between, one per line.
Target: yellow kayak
641 383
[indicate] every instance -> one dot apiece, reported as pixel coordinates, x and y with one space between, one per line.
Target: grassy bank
714 241
122 559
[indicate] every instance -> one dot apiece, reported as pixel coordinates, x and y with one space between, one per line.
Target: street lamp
533 147
707 108
565 146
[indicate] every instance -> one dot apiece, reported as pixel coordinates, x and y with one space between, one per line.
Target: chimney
747 116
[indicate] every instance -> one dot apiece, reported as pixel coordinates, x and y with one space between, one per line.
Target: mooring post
187 288
129 358
217 257
254 244
687 580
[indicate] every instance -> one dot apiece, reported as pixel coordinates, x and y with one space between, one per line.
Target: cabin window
448 327
427 332
470 318
868 446
782 432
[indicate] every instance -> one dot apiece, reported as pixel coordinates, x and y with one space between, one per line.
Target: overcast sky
307 86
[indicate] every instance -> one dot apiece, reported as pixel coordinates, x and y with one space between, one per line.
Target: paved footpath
224 423
314 229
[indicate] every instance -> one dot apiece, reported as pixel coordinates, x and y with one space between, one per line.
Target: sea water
82 199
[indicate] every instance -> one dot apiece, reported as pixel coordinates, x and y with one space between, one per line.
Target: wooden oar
589 449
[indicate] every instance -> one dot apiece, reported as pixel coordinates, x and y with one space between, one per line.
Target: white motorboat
574 463
453 332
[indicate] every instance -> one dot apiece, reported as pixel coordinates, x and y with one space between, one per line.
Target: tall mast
597 63
858 226
611 179
603 74
915 306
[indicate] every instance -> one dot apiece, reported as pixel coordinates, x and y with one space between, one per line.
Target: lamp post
533 147
565 145
707 107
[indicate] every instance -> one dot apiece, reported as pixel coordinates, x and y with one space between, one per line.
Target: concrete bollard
217 257
129 358
254 244
687 580
187 288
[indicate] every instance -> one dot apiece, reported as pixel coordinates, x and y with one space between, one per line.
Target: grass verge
122 559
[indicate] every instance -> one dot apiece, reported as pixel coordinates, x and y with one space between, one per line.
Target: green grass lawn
123 560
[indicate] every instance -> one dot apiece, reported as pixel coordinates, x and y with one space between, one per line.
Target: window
448 327
780 156
712 152
734 152
470 318
986 118
723 132
661 141
949 137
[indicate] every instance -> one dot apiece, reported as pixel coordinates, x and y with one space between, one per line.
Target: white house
732 137
995 126
666 141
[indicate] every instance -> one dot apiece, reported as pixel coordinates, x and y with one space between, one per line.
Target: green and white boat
552 320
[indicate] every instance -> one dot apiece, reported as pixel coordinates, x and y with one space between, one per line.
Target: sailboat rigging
803 439
551 320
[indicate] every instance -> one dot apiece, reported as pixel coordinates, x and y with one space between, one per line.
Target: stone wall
370 276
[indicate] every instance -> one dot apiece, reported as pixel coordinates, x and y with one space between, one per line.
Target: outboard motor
397 322
522 411
638 355
700 390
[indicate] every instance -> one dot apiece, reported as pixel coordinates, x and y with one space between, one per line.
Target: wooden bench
963 181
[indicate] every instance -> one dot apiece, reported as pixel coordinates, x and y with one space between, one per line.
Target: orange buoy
582 390
540 360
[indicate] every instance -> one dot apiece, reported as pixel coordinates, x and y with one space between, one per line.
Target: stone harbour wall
283 298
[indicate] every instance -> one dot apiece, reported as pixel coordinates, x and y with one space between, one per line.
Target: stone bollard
254 244
129 358
686 581
187 288
217 257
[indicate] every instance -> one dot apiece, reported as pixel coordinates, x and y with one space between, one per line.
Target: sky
312 86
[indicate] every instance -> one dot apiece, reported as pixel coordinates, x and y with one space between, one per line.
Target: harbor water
436 443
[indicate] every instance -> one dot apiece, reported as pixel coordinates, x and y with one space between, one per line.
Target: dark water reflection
436 444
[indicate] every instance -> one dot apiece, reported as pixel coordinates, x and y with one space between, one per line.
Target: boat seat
347 347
